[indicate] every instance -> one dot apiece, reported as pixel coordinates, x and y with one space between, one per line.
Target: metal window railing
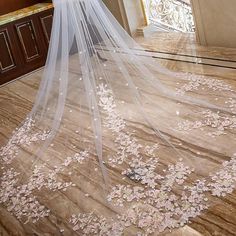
169 15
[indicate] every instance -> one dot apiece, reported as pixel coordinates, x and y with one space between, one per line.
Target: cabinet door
29 40
10 58
7 61
46 19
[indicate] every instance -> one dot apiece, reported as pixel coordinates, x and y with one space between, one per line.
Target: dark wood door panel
10 55
46 23
27 37
7 61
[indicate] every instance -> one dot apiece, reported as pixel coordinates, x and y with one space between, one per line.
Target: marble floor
178 52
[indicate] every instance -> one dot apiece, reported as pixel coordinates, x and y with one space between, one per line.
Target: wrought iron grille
170 14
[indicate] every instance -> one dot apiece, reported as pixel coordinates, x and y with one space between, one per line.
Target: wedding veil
104 103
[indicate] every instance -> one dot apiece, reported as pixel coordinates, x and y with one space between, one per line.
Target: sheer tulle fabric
107 110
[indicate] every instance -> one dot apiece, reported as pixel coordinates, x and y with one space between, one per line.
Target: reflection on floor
176 51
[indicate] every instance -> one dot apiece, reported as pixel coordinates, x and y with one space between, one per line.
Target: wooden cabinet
24 44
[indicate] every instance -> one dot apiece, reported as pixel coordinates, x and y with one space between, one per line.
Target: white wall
128 12
134 14
215 22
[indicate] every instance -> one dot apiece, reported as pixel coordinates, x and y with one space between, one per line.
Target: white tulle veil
105 102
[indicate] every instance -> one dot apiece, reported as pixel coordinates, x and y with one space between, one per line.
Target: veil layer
133 135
